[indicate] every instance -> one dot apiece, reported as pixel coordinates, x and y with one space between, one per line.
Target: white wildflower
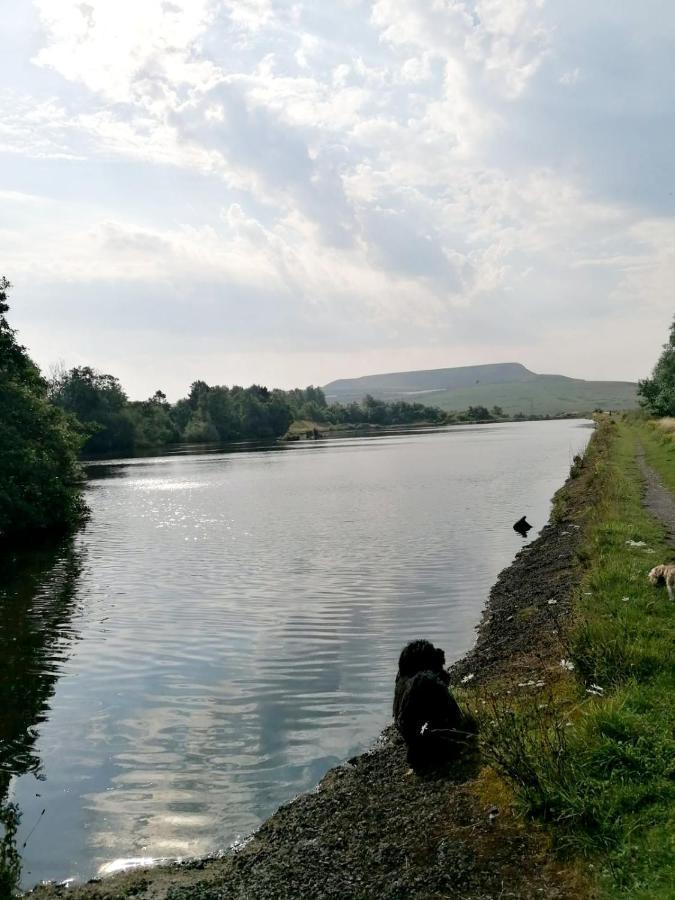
552 602
625 599
468 677
567 664
595 690
636 543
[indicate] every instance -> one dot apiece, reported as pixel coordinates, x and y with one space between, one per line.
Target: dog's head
657 574
420 656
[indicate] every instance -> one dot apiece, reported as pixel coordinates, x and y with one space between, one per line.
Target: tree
39 443
152 422
478 413
97 401
658 392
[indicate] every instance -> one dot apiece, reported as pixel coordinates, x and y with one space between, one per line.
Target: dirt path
658 499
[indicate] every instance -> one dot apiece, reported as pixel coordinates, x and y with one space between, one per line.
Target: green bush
39 444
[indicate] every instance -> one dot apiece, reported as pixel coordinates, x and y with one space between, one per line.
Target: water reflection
37 601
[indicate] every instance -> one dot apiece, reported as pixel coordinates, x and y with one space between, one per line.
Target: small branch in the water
28 836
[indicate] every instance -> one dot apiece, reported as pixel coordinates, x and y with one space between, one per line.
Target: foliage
478 413
152 425
10 860
596 762
39 444
98 402
658 392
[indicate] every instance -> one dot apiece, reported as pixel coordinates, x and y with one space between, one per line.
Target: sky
291 192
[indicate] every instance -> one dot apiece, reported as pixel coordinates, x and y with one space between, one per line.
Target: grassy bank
591 754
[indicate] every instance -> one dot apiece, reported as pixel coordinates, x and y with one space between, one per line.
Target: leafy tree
180 414
39 444
223 413
198 390
478 413
658 392
200 429
152 422
99 403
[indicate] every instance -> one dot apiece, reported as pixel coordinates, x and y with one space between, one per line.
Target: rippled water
227 626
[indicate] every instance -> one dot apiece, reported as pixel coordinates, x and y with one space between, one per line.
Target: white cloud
394 174
251 15
115 47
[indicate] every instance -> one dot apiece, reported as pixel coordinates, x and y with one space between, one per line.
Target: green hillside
509 385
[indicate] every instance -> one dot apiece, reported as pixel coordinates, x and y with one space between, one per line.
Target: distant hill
509 385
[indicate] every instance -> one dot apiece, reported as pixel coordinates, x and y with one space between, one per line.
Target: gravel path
658 499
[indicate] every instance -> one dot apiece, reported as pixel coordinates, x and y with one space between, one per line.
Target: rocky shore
371 829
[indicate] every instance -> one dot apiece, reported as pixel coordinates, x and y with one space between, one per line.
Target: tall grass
594 759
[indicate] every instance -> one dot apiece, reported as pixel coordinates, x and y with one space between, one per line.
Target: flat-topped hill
509 385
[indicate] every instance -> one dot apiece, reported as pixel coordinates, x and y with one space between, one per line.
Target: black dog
426 714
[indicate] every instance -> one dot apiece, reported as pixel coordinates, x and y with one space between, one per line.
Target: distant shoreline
364 429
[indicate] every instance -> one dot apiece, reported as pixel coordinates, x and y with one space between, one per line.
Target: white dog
661 574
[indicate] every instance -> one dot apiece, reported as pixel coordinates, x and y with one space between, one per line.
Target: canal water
226 627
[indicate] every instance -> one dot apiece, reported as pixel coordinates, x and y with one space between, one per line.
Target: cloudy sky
291 192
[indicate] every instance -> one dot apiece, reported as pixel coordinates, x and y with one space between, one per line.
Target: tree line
112 423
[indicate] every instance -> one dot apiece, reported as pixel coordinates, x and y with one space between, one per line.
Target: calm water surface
226 627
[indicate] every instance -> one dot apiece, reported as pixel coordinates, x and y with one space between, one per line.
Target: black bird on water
522 526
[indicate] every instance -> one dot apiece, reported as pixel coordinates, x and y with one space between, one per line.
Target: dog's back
428 716
417 656
664 574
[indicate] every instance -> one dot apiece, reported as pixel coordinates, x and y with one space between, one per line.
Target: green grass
598 768
301 427
659 449
509 385
542 395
